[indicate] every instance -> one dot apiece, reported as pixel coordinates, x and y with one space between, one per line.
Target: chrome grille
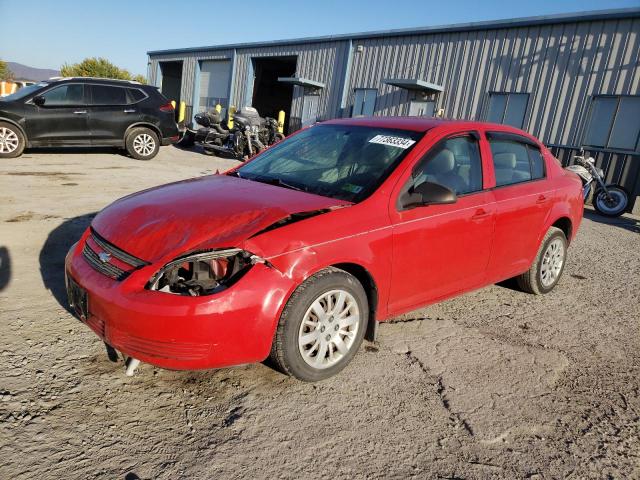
106 268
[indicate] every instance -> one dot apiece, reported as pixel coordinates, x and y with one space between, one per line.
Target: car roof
423 124
114 81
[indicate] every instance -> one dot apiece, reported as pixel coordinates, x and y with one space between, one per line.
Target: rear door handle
129 110
541 199
78 112
480 214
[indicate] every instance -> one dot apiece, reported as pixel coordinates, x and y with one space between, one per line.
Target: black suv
87 111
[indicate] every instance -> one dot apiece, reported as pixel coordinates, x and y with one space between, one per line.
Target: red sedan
299 253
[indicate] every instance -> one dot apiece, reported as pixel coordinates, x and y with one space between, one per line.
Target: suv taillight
167 107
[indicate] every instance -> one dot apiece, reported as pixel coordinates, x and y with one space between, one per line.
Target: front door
310 104
60 118
440 250
111 111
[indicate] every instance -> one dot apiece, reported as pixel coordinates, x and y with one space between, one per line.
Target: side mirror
427 193
38 100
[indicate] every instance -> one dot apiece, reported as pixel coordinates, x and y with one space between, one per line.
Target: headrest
443 162
504 160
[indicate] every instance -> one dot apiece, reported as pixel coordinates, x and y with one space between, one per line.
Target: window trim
525 117
528 143
587 124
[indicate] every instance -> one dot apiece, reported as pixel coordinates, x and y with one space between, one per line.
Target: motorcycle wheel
187 140
279 137
615 205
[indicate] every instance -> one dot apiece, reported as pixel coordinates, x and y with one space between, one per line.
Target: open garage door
171 80
269 95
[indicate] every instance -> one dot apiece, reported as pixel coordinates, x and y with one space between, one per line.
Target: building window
508 108
364 102
613 122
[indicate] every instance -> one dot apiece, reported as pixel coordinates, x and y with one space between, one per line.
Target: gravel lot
494 384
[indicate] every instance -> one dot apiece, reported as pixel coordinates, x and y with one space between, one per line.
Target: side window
106 95
135 95
364 102
454 163
515 162
64 95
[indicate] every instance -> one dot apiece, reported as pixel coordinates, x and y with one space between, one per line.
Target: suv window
454 163
516 162
135 95
108 95
64 95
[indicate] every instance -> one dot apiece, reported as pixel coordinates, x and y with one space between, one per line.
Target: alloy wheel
8 140
329 329
144 144
552 262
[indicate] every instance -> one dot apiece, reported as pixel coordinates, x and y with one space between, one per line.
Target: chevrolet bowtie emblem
104 257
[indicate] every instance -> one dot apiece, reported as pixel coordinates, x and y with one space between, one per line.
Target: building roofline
610 14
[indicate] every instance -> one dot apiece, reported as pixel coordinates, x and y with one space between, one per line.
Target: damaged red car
298 254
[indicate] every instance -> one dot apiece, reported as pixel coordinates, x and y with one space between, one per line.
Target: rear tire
12 141
615 208
142 143
548 266
321 327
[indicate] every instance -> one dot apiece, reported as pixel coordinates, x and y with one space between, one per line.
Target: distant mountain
23 72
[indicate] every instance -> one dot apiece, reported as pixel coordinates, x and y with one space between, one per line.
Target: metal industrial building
572 80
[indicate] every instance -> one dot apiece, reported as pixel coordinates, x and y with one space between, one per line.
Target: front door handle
78 112
480 214
129 110
541 199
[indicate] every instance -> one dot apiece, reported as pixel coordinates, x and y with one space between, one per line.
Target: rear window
136 94
108 95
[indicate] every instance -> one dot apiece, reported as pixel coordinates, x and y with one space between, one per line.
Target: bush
98 67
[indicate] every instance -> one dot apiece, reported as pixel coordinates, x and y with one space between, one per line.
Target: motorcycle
608 199
250 134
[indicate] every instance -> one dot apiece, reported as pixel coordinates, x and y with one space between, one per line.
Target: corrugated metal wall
560 65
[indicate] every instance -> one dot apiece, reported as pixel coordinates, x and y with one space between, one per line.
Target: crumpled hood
207 212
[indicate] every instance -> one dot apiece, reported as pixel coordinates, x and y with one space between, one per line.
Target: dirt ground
494 384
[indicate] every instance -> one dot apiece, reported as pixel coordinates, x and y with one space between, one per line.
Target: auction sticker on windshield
400 142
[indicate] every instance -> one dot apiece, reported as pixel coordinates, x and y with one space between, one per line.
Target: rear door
111 111
440 250
61 119
523 200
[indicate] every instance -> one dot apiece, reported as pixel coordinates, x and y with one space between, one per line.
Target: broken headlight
203 273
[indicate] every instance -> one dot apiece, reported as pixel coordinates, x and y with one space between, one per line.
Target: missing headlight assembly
203 273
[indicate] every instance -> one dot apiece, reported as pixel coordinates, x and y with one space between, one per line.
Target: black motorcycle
250 134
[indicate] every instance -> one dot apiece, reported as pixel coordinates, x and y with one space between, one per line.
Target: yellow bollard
181 113
232 111
218 108
281 121
173 104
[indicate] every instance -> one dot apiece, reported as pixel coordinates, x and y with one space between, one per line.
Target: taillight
167 107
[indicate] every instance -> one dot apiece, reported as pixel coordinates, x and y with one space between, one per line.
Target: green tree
5 73
98 67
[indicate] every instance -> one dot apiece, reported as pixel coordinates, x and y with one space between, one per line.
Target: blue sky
46 34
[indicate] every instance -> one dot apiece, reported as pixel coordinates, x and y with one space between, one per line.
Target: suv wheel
142 143
321 327
548 266
12 141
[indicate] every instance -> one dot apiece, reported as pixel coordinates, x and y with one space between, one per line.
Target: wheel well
369 285
564 224
6 120
145 125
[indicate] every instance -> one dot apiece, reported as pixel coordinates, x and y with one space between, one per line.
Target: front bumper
233 327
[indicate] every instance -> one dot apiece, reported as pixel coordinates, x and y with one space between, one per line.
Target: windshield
25 91
340 161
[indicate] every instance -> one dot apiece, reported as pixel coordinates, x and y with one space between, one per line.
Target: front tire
321 327
142 143
615 205
548 266
12 141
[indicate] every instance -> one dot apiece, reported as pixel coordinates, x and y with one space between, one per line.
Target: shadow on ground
74 150
625 222
55 249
